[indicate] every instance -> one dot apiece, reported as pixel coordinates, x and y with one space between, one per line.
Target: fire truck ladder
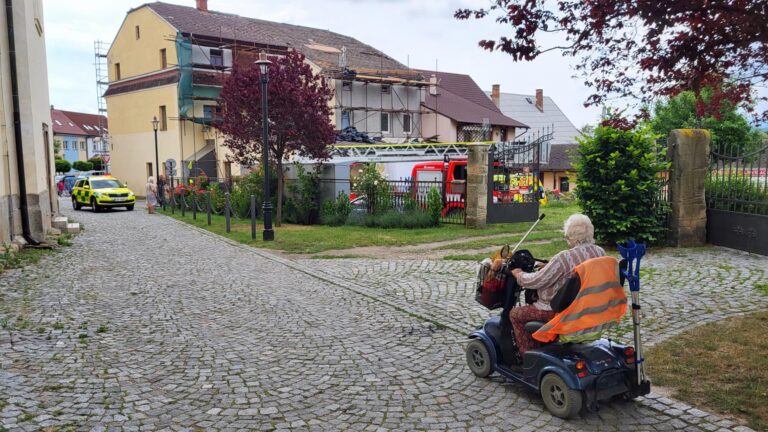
407 152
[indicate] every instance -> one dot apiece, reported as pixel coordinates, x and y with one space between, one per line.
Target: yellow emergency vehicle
101 192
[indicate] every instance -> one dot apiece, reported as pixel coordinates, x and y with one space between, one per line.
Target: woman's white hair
579 230
151 180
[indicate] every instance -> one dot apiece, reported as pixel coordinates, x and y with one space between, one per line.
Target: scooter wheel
559 399
478 358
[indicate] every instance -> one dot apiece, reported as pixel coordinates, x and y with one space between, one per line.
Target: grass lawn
540 250
721 366
319 238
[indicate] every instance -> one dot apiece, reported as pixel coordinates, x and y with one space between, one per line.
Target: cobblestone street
146 324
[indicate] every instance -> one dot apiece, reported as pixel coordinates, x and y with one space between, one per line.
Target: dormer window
217 57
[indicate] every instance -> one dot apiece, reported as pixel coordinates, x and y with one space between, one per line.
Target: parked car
101 192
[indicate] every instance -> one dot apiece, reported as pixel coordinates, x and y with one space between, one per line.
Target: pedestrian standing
161 189
151 190
60 187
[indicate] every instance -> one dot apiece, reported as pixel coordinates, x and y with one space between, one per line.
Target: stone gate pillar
688 151
477 186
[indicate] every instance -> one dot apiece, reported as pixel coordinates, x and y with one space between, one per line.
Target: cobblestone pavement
147 324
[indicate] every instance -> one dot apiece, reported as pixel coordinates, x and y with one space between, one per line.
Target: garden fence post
183 206
253 217
173 202
194 205
227 210
209 207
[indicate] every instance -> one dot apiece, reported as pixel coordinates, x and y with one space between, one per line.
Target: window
138 33
58 122
565 184
82 145
211 112
385 122
117 71
217 58
79 183
346 85
163 59
66 145
406 123
227 170
150 172
163 118
346 119
36 7
385 89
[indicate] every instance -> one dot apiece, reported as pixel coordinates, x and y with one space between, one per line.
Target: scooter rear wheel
478 358
559 399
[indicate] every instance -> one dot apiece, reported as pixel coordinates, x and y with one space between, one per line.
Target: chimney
540 99
202 5
495 94
433 85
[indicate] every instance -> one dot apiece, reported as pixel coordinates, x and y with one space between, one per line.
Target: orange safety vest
600 303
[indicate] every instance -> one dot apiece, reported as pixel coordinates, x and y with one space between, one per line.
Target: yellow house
168 61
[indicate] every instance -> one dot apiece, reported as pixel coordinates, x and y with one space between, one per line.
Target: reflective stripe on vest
599 305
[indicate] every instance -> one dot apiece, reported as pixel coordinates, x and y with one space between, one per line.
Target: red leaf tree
645 48
299 115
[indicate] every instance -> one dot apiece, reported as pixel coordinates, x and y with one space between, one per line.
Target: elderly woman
579 233
151 191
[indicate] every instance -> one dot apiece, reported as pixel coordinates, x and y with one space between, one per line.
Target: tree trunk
279 210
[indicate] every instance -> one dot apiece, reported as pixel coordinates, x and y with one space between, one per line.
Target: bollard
194 205
227 210
183 206
253 217
173 203
209 207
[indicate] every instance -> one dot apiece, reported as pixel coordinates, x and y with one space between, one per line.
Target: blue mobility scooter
569 376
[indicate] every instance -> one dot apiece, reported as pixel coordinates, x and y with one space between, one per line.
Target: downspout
24 205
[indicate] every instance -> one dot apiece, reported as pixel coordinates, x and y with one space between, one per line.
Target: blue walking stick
633 252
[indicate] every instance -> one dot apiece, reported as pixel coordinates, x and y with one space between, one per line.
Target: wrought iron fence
737 180
662 206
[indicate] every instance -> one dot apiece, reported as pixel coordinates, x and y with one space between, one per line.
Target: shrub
63 166
301 206
336 213
434 205
394 219
618 185
372 184
218 198
97 162
82 166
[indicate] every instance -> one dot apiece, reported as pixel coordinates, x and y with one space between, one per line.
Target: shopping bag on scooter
489 290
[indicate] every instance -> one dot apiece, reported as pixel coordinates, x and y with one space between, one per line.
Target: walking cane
526 234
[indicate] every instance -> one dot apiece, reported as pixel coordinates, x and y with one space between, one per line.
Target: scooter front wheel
478 358
559 399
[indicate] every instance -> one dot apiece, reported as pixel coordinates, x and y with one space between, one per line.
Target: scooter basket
489 290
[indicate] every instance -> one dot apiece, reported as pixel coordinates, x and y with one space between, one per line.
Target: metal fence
737 180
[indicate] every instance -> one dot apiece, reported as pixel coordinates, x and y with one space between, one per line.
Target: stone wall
688 150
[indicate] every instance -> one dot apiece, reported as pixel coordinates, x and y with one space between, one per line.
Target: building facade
80 136
27 196
169 62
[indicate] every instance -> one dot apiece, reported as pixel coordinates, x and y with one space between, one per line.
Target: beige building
170 60
27 196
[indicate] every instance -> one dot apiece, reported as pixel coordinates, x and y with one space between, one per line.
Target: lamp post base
268 235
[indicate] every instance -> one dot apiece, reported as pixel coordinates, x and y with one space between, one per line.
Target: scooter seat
533 326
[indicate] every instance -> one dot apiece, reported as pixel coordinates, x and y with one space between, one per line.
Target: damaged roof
461 99
322 47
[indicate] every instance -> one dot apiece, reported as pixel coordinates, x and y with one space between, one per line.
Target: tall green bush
302 202
97 162
372 184
82 166
434 205
63 166
618 185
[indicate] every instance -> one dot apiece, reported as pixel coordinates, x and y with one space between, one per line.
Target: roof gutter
26 232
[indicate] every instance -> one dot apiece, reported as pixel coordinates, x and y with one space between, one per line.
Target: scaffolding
100 49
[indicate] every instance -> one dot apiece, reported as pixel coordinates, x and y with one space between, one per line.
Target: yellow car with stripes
102 192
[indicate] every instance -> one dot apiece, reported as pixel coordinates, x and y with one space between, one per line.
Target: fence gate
514 183
737 197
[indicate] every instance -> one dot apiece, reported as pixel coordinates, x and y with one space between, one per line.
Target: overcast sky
421 33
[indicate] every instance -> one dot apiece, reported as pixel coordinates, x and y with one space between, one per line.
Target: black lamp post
155 123
263 64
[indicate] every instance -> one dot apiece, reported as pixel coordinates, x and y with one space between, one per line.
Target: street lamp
263 64
155 123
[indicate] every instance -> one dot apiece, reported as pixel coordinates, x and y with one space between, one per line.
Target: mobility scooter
569 376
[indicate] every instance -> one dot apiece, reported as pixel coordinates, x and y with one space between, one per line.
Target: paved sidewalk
147 324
